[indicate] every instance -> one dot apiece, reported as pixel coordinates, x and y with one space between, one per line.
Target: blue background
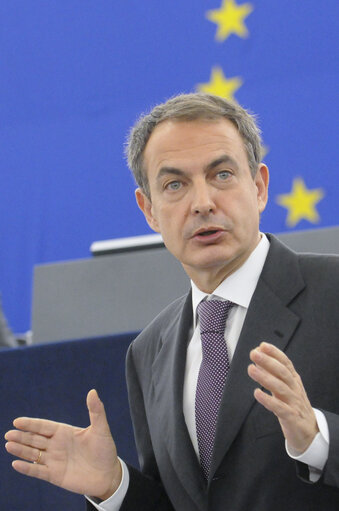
75 75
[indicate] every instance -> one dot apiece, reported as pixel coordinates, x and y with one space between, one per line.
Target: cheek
243 210
166 221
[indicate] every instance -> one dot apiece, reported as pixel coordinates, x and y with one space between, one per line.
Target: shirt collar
240 285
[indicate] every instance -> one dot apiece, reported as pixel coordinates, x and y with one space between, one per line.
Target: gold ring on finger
37 461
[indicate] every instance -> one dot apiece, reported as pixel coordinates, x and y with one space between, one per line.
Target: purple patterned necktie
212 375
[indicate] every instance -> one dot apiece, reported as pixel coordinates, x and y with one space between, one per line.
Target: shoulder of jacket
152 332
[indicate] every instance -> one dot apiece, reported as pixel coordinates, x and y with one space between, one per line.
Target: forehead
183 142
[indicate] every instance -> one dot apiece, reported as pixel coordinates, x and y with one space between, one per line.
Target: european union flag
76 74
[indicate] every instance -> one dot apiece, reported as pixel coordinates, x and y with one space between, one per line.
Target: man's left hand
274 371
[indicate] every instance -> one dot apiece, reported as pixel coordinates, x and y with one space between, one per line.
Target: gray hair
191 107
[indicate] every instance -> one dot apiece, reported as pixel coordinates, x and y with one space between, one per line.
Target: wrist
114 484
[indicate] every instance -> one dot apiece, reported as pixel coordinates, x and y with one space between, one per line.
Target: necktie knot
213 315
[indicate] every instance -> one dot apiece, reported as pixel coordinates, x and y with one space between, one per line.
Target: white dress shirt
239 288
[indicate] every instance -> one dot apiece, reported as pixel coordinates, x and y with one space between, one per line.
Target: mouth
206 231
209 234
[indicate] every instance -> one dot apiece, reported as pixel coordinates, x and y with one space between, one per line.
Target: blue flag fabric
76 74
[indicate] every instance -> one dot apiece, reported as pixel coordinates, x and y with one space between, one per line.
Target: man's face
204 200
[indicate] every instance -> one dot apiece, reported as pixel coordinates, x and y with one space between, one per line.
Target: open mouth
207 233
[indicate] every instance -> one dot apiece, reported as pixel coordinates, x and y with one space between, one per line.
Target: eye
173 186
223 175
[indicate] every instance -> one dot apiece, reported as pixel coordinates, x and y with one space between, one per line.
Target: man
210 431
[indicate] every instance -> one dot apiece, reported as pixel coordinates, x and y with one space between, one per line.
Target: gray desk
123 292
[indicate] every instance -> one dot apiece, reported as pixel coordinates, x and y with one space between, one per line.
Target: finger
274 367
41 426
29 439
270 382
280 356
272 404
31 469
97 413
26 453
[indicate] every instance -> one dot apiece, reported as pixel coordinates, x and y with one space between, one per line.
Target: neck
207 280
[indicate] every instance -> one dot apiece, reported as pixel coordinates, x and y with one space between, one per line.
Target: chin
213 262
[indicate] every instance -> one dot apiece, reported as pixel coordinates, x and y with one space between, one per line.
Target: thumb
97 414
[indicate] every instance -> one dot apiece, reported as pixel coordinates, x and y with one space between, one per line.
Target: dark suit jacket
295 307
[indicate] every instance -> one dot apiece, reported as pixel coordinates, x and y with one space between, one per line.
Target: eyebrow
164 171
219 161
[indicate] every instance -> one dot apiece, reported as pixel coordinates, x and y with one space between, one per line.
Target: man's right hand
80 460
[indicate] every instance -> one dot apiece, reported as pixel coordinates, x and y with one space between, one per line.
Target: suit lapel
268 319
168 378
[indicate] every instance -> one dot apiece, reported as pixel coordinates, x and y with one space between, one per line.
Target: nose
202 200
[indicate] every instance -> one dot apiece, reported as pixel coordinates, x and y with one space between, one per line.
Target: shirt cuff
115 501
316 454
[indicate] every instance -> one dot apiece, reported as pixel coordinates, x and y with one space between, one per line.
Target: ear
146 207
261 181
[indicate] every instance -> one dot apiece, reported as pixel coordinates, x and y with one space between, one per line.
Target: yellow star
230 19
219 85
301 203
